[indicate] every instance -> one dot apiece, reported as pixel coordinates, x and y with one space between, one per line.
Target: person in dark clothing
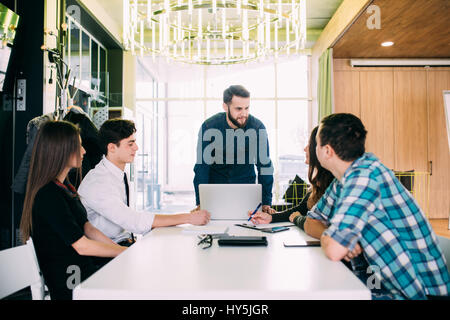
20 180
319 177
54 216
90 141
230 145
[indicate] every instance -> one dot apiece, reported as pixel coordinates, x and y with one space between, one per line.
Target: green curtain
324 88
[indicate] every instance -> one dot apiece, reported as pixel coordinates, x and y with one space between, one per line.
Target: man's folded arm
359 199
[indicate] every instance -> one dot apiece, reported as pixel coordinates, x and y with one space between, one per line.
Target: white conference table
168 264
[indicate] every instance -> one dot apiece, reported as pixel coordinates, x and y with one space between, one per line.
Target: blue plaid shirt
371 207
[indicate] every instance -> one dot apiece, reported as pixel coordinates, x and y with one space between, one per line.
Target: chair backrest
444 243
19 269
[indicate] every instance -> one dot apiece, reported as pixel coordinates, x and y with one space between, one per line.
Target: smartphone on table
274 229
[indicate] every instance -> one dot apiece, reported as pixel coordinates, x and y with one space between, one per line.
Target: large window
87 59
279 98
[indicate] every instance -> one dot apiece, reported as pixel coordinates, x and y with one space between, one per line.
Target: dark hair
319 177
56 142
114 130
235 90
345 133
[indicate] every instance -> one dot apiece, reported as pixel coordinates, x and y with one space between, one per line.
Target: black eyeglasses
205 241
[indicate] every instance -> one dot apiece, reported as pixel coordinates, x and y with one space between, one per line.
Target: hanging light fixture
214 32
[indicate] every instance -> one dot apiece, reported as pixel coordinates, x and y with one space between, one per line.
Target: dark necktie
127 191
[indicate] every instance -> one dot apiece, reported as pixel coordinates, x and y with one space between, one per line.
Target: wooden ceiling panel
418 28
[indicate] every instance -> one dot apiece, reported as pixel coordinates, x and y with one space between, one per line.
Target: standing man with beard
230 145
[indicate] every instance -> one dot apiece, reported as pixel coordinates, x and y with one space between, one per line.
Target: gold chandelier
214 32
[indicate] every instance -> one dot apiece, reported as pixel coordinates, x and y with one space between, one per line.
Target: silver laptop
230 201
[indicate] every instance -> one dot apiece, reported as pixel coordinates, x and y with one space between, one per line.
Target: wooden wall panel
342 65
438 150
377 113
411 125
402 109
346 92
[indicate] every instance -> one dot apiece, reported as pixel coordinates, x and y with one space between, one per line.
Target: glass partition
74 58
102 70
85 61
94 66
188 96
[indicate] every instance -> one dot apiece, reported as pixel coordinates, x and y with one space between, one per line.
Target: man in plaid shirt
367 210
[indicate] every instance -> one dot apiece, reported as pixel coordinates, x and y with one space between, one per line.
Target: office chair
19 269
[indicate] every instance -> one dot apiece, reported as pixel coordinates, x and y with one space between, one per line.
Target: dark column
26 62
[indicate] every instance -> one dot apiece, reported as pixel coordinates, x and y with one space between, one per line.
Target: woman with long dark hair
53 215
319 178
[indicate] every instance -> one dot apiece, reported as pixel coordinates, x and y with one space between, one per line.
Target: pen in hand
251 216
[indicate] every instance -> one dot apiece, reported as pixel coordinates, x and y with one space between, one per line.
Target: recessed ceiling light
387 44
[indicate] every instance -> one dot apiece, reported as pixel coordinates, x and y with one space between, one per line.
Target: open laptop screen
229 201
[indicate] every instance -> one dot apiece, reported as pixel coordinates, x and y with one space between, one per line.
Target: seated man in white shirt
104 193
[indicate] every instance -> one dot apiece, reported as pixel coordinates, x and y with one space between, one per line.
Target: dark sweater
221 170
58 222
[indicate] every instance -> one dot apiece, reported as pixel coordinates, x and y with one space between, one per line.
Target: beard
235 121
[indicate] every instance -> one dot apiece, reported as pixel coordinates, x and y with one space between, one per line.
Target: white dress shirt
102 193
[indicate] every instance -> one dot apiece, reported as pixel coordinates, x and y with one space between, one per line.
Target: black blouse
58 220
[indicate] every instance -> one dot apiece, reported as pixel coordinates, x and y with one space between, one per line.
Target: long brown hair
55 144
319 177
